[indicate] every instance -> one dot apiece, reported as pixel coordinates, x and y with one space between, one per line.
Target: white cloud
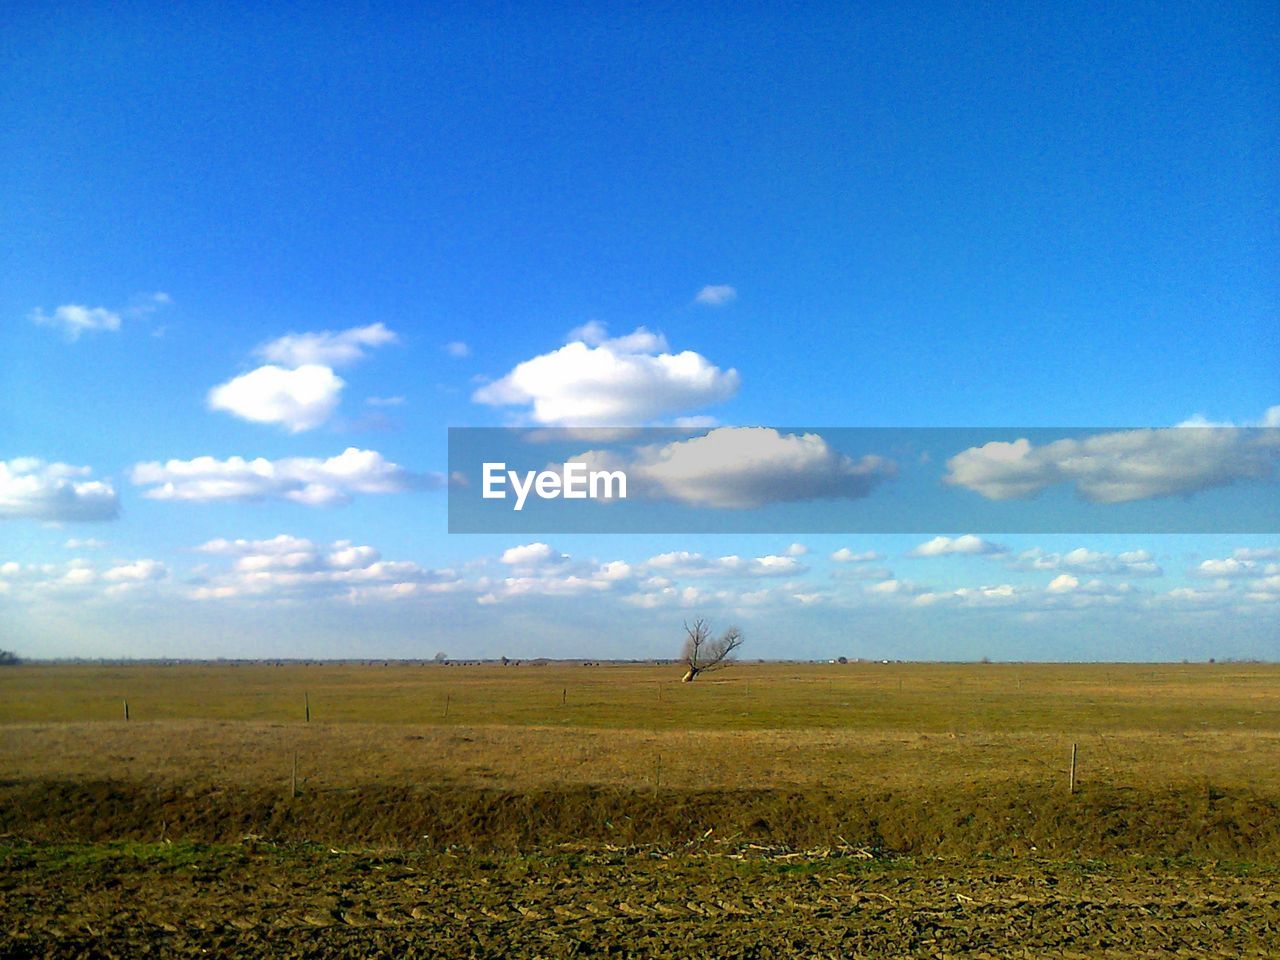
75 319
300 399
532 555
893 587
89 543
456 348
716 295
1233 568
78 579
797 550
744 468
1132 563
598 381
967 544
287 567
327 347
1121 466
36 490
540 571
845 555
384 401
686 564
1256 553
306 480
137 571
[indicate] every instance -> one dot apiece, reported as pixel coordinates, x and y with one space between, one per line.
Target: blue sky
906 217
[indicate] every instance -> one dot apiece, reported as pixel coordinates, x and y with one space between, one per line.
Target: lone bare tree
702 653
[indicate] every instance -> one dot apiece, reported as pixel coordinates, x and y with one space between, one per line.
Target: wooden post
126 708
293 781
564 696
306 706
1071 786
446 704
657 777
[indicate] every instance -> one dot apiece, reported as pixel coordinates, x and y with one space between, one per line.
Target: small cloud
598 380
35 490
306 480
716 295
967 544
326 347
745 468
845 555
88 543
298 399
385 401
456 348
75 319
1125 465
797 550
532 555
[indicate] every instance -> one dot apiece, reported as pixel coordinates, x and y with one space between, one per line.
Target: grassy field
913 809
917 698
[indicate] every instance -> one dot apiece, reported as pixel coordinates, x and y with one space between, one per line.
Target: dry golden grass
777 726
235 754
1065 699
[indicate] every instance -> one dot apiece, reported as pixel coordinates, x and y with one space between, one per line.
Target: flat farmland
875 809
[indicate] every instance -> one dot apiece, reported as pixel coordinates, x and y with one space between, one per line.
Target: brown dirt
1197 822
316 902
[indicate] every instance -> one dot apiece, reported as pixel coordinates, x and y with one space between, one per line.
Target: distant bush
8 658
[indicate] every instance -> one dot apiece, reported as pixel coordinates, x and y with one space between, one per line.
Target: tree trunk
691 675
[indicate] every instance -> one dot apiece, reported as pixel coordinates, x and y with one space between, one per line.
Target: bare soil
724 900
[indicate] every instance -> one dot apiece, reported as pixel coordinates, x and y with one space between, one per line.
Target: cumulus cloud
298 389
78 579
744 468
1256 553
456 348
540 571
1235 567
1122 466
87 543
716 295
136 572
57 492
532 555
327 348
287 567
845 555
595 380
299 399
1132 563
306 480
967 544
684 563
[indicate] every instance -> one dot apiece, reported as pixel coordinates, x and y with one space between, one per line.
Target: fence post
306 706
1071 786
126 708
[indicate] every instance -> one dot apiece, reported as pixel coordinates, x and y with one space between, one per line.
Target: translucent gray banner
1194 479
